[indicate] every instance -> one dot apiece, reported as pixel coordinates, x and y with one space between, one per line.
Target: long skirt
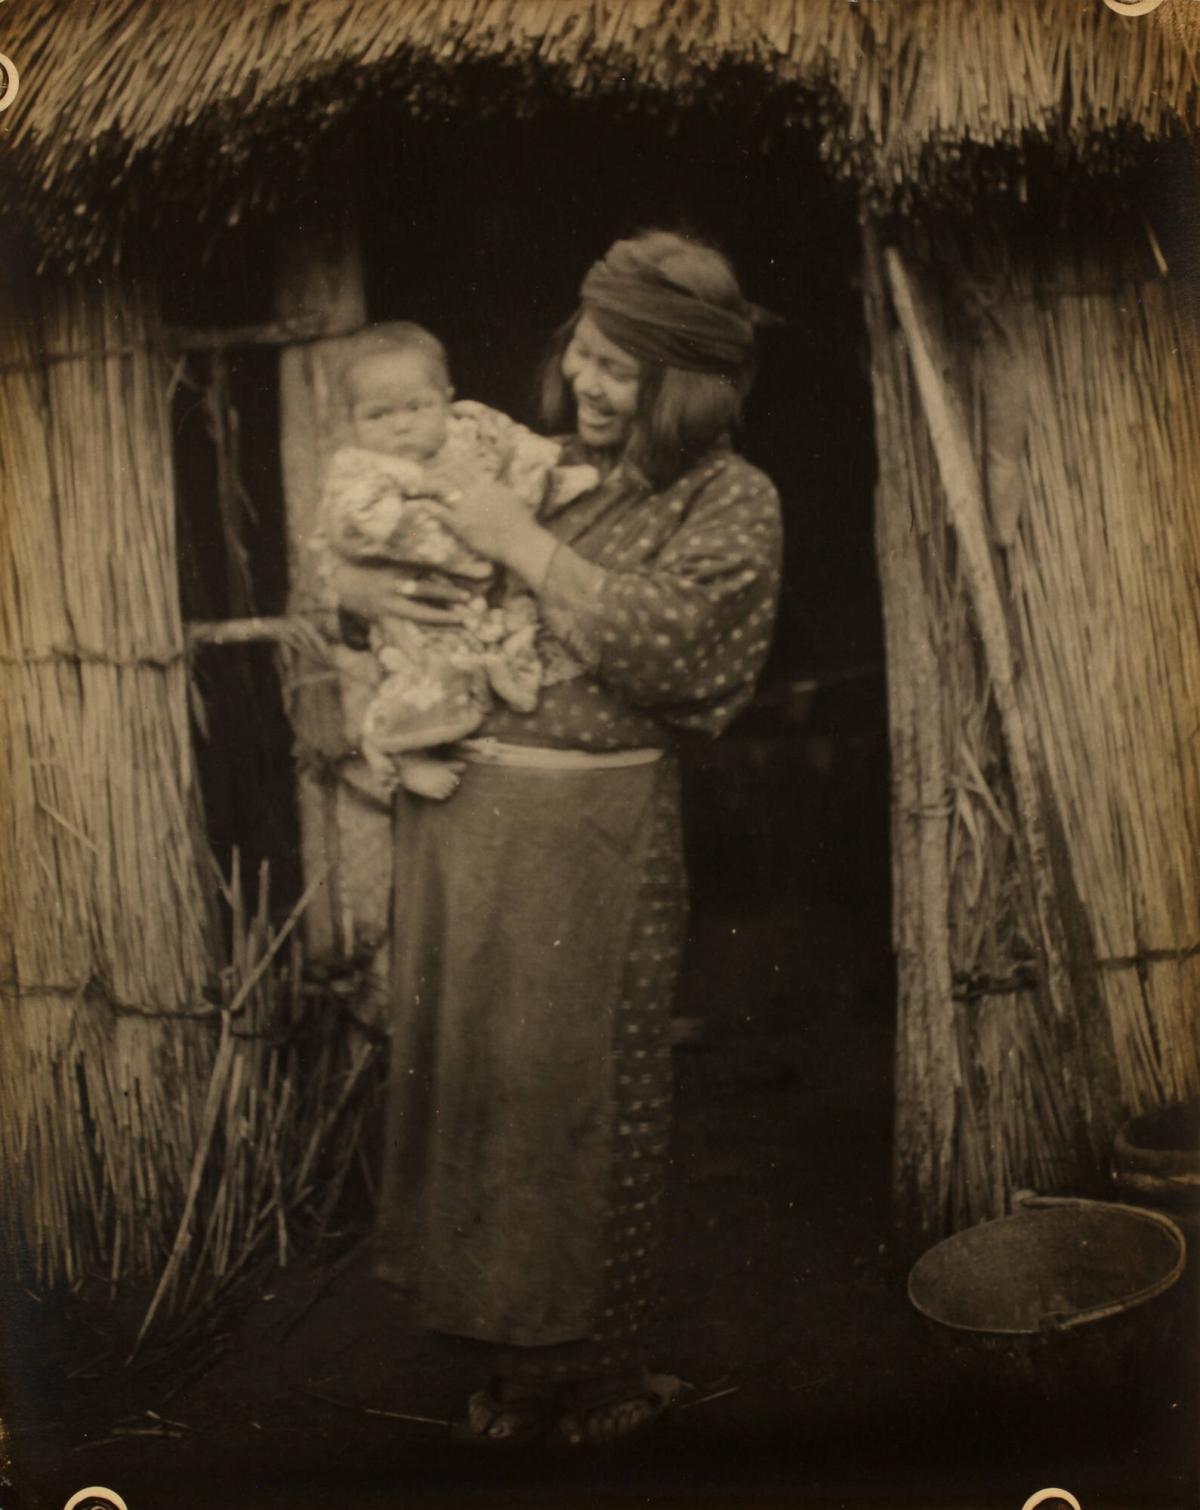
539 920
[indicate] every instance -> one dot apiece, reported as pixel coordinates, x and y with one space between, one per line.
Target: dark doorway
482 230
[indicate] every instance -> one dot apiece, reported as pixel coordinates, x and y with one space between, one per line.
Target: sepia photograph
599 754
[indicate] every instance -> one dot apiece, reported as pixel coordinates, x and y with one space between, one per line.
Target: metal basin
1066 1297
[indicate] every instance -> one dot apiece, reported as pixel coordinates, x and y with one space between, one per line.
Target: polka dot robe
668 599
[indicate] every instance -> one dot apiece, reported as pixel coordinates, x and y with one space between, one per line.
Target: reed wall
102 919
1073 376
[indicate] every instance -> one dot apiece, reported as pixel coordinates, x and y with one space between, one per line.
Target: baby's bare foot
372 780
515 671
436 779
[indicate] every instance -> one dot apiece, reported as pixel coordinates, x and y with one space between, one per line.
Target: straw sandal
493 1421
596 1418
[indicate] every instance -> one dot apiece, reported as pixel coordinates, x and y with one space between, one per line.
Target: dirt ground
812 1380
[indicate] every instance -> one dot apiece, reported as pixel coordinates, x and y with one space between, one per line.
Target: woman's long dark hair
679 414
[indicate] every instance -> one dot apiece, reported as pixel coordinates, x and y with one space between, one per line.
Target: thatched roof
902 93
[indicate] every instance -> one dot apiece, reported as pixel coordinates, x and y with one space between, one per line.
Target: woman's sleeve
693 627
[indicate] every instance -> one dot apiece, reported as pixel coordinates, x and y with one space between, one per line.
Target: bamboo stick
294 632
923 1152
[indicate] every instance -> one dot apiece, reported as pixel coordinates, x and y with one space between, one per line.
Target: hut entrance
481 231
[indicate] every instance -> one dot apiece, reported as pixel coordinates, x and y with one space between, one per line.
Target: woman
540 913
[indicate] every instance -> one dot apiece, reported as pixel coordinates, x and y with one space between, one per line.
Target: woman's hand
492 520
382 592
488 517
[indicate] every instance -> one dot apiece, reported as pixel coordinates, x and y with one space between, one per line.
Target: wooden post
320 279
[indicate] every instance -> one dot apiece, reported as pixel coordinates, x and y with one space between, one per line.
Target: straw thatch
918 93
101 912
1046 924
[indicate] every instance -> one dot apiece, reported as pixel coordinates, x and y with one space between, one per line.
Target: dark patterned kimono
539 920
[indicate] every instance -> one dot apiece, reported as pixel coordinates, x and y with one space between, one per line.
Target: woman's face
604 379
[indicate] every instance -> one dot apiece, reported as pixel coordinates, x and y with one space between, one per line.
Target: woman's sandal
495 1422
599 1420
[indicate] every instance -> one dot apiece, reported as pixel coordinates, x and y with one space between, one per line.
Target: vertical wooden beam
320 277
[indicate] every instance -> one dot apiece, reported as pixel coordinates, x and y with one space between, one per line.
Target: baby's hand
489 518
569 483
366 492
520 612
379 593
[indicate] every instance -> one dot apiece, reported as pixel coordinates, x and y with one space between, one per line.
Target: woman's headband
656 320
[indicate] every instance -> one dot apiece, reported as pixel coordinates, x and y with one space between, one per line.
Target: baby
434 683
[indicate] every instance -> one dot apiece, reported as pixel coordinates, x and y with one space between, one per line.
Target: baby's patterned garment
439 679
371 505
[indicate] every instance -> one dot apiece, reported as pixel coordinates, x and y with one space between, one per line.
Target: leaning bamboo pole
101 911
923 1151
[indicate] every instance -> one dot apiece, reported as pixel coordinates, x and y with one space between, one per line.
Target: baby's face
399 404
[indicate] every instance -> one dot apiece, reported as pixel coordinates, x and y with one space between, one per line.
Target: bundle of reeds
1081 870
1103 570
103 920
282 1108
976 1052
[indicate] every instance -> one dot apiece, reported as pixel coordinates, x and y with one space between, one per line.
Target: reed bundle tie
343 995
292 632
1149 957
84 655
93 988
1024 978
180 339
932 810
